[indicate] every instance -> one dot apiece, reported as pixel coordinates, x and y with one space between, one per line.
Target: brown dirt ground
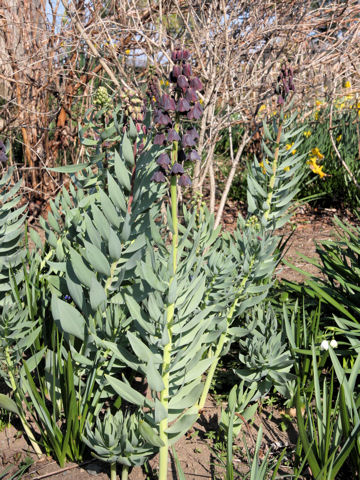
194 452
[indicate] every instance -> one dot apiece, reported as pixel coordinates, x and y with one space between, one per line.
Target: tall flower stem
164 394
124 472
274 167
221 342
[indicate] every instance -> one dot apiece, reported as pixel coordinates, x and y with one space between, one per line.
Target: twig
61 470
351 175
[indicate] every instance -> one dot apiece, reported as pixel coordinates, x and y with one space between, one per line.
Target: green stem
18 403
221 342
113 471
124 472
274 169
164 394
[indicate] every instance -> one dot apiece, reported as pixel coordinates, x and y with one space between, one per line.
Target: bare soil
195 450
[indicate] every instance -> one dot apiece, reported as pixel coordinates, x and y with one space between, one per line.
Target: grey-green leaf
67 318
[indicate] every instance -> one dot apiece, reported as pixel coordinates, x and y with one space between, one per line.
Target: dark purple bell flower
196 84
194 134
3 157
167 103
187 71
193 156
177 169
183 105
195 112
191 95
182 82
280 100
184 181
176 71
159 139
173 136
158 177
187 141
163 161
162 118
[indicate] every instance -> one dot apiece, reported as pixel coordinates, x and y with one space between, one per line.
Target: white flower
333 343
324 345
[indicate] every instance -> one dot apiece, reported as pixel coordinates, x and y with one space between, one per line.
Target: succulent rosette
181 103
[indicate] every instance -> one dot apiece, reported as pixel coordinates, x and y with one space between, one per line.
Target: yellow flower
340 106
347 84
318 103
307 133
289 146
315 151
316 115
338 138
317 169
261 164
262 108
286 169
127 51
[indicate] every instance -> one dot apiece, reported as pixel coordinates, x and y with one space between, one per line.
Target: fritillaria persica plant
145 310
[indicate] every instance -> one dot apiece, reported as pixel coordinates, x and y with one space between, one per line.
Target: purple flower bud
173 136
158 177
177 169
182 82
196 84
193 156
191 95
194 134
185 54
291 85
195 113
159 139
2 147
167 103
280 100
174 55
187 71
3 157
176 71
184 181
183 105
187 141
163 161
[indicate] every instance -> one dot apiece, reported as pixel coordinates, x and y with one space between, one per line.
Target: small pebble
94 469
